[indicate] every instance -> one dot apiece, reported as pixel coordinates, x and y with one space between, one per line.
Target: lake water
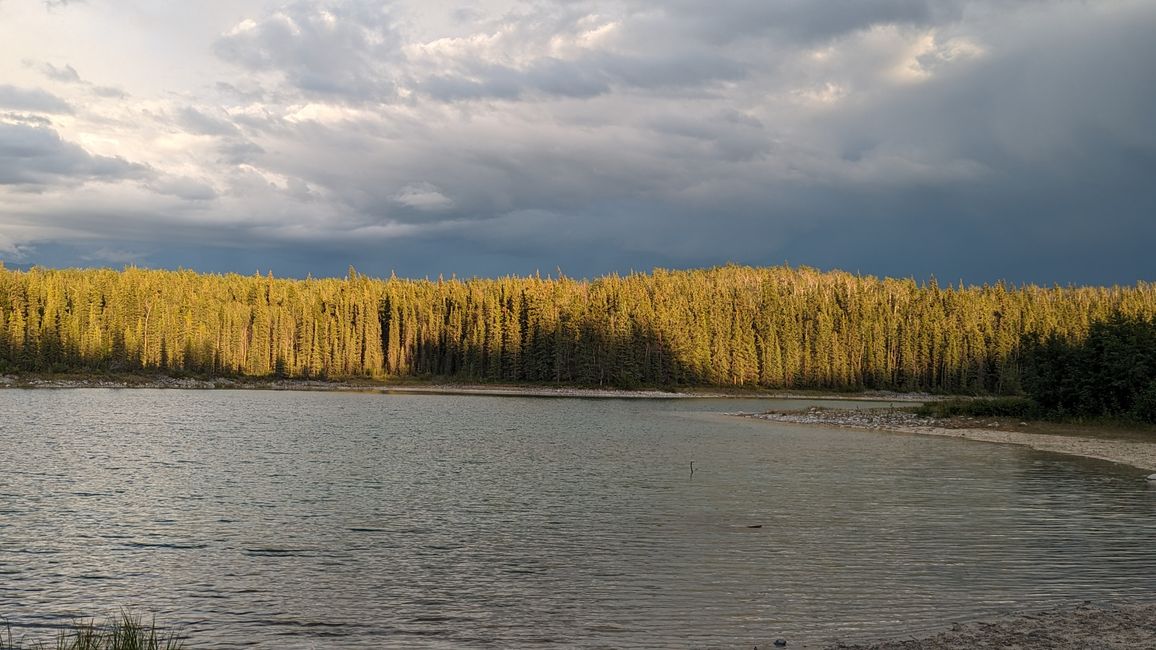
346 520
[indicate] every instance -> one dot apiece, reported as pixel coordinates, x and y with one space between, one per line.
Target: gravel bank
1127 452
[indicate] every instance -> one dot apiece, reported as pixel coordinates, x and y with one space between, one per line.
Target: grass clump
125 633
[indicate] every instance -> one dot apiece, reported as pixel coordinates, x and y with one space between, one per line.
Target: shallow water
310 519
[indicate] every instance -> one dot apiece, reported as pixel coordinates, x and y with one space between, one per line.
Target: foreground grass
125 633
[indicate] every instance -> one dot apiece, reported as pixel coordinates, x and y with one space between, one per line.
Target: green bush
1011 407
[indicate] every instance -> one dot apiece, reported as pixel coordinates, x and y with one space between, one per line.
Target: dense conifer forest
774 327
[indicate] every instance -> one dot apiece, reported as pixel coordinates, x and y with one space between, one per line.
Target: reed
127 632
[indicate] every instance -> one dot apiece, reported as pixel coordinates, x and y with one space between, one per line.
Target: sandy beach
1135 453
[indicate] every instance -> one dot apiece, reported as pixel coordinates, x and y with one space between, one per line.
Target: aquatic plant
128 632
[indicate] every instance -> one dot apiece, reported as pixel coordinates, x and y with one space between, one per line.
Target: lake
363 520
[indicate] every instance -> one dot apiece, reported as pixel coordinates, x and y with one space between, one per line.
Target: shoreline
1140 455
67 381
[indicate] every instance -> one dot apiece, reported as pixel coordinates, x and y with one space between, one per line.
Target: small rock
780 643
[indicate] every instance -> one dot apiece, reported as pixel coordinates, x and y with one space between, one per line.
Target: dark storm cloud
327 49
31 99
1016 127
961 138
36 156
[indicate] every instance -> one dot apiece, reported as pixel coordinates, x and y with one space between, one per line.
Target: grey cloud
467 15
67 74
681 141
1009 145
500 83
37 156
196 121
674 70
237 151
1022 114
31 99
109 92
181 187
107 255
25 118
566 78
805 21
250 93
337 49
731 136
589 76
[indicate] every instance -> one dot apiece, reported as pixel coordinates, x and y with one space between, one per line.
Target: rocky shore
1086 627
1140 454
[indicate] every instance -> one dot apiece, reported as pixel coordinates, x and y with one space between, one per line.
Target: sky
972 140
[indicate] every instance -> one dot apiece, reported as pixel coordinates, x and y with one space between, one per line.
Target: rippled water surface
308 519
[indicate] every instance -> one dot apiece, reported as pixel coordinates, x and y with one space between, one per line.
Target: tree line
776 327
1111 372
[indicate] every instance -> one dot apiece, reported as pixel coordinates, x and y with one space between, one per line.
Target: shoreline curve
1141 455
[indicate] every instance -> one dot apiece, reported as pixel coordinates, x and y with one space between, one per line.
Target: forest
774 327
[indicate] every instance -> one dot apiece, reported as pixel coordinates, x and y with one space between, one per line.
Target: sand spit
1127 452
1086 627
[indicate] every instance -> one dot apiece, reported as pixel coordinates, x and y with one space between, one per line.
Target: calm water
296 519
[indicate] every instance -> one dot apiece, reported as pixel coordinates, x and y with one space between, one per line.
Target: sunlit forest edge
735 326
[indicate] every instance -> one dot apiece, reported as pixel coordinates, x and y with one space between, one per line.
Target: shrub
1011 407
